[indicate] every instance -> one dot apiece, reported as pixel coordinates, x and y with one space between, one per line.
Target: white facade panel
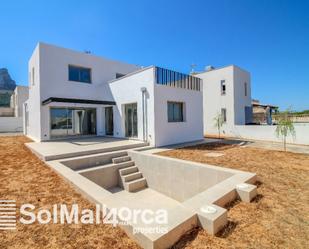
234 100
191 129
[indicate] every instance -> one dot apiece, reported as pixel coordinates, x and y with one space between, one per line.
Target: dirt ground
26 179
277 218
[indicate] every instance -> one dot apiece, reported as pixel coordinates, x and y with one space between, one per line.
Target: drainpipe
144 108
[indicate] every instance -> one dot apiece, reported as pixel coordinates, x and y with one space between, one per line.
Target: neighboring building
75 94
226 91
11 117
7 86
262 113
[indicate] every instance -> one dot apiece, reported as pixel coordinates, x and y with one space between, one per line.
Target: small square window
79 74
223 87
175 111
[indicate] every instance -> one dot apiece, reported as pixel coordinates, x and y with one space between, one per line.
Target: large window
175 111
79 74
72 121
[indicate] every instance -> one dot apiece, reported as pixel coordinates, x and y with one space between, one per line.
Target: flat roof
77 101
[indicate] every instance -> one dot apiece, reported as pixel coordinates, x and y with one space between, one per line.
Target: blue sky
269 38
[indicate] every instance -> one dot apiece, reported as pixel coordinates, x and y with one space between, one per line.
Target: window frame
33 76
246 89
120 75
223 83
224 115
80 67
173 119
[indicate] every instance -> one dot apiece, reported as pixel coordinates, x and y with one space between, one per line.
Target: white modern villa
73 93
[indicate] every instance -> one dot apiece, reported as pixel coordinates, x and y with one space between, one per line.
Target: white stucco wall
267 133
54 62
191 129
34 100
213 101
21 94
11 124
240 100
128 90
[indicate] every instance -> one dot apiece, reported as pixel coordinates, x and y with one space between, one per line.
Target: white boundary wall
268 133
11 124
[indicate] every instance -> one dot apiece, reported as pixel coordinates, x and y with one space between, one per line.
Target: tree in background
218 122
285 127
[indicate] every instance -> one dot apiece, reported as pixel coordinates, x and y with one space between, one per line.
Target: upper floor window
223 87
175 111
119 75
80 74
246 88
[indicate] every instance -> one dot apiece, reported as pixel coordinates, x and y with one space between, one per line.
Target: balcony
174 79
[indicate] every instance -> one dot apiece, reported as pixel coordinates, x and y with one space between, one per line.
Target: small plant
218 122
285 127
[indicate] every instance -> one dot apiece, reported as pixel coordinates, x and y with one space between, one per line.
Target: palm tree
285 127
218 122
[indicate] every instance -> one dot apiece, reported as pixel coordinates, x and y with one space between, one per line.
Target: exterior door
109 123
131 120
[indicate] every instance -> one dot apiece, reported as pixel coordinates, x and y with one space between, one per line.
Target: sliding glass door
131 120
109 122
72 122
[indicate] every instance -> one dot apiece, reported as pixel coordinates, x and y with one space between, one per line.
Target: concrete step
128 170
132 176
121 159
125 164
136 185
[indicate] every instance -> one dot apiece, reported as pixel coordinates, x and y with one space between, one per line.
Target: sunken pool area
191 194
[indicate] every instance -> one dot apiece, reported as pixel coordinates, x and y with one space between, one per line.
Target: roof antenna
192 66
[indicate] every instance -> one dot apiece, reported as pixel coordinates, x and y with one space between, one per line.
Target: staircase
131 179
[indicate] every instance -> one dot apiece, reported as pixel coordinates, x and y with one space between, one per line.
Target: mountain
6 82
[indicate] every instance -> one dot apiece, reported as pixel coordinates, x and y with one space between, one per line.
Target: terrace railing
179 80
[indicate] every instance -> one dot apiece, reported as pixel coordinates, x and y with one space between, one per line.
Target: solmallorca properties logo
7 214
152 221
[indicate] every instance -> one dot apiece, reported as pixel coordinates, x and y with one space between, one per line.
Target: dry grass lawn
26 179
278 217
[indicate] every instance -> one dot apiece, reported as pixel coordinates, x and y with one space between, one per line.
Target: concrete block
136 185
132 176
246 192
128 170
212 218
121 159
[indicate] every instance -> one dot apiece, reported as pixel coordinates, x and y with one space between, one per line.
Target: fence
268 133
175 79
11 124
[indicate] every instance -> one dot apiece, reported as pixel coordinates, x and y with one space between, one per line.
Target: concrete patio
59 149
